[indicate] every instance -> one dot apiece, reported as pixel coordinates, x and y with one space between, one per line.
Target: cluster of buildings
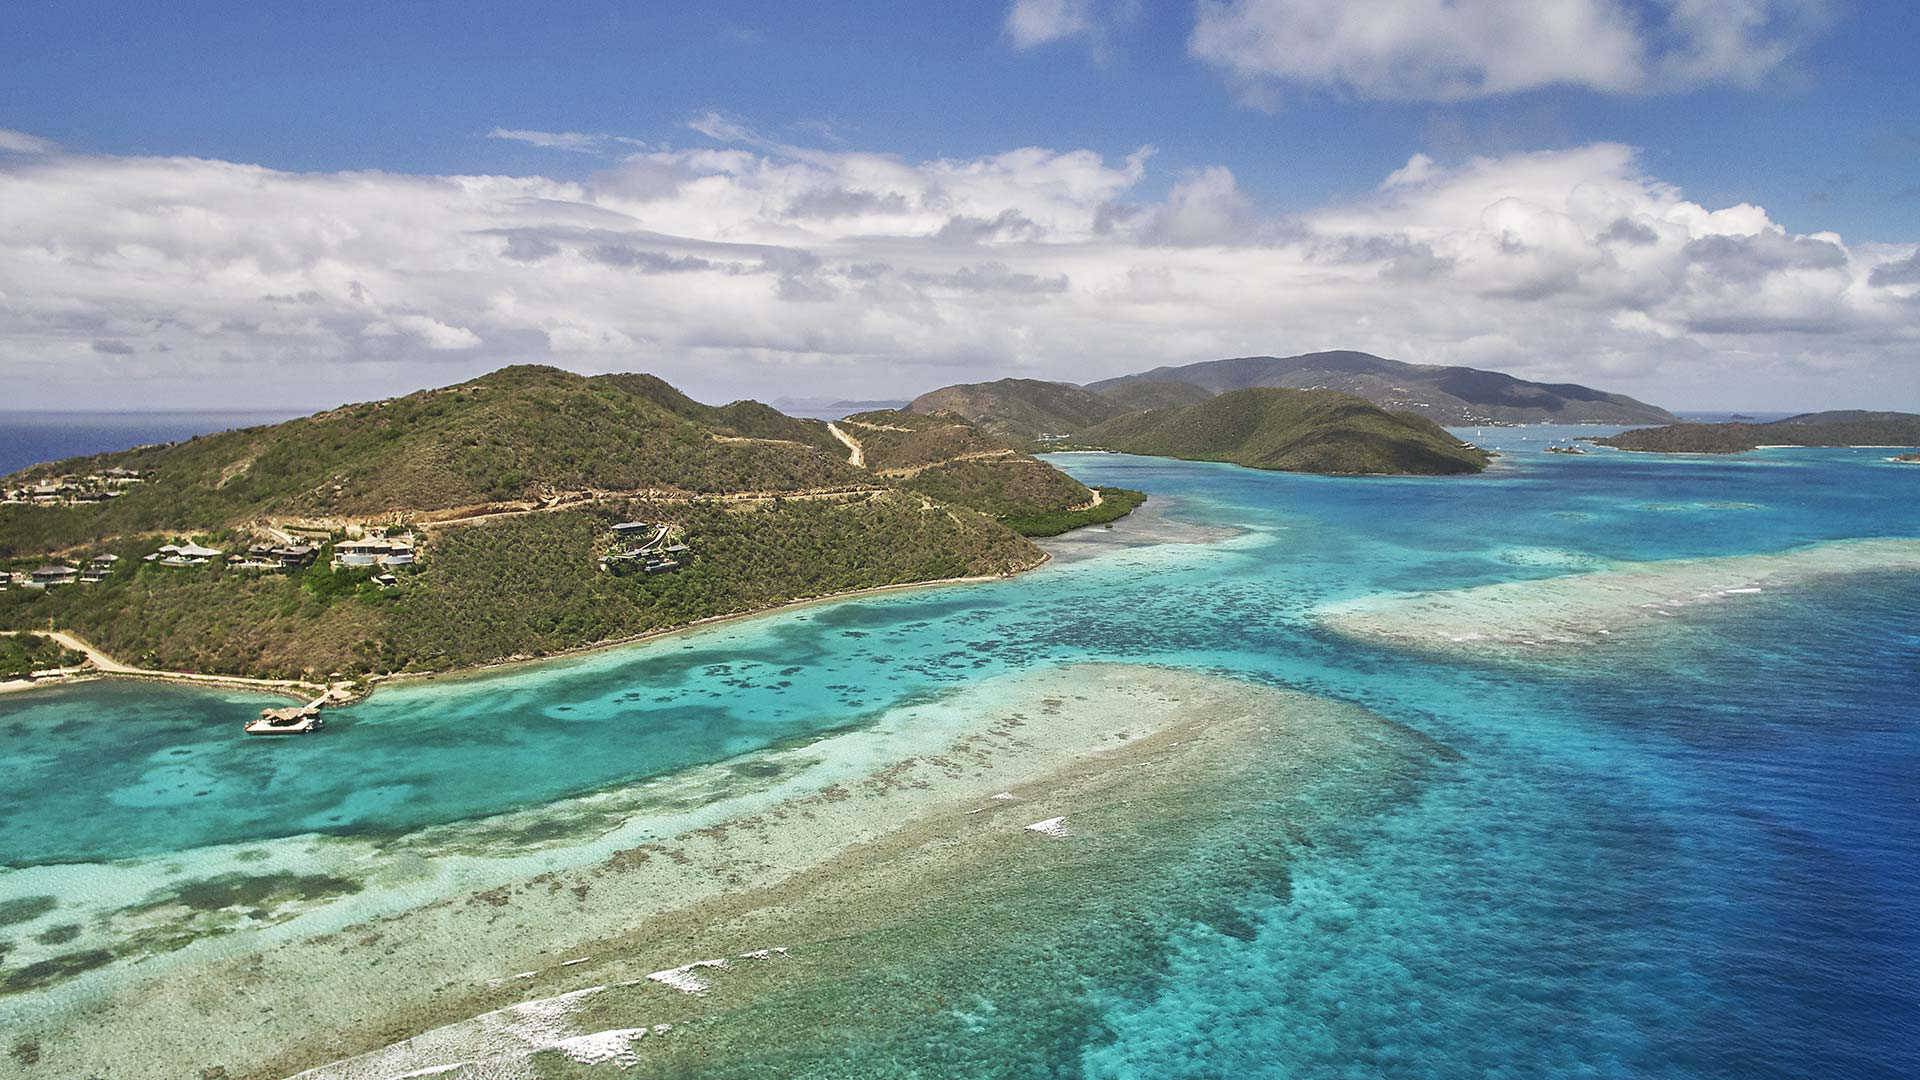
54 575
257 557
380 550
644 546
74 490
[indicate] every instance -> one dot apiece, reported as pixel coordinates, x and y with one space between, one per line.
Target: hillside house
187 554
386 551
98 569
51 575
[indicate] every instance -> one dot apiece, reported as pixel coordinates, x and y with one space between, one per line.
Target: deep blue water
1700 859
29 438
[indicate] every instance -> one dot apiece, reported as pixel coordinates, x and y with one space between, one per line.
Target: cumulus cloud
756 268
1898 272
1450 50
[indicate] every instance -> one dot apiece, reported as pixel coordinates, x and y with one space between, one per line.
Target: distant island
1317 431
1848 427
1036 414
520 514
1450 395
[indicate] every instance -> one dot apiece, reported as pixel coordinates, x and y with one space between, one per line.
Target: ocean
1691 855
29 438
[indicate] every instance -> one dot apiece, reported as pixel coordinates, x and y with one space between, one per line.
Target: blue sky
1808 110
1832 142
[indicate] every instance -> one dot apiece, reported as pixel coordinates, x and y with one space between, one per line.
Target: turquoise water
1694 861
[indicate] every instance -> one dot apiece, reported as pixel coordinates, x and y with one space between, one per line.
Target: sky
1703 203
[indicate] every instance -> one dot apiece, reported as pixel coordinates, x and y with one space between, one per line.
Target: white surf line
684 979
500 1040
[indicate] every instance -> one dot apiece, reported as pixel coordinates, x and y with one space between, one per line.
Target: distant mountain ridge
1028 409
1449 395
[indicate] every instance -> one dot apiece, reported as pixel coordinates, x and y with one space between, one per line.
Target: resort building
269 557
653 555
187 554
74 490
375 550
46 577
98 568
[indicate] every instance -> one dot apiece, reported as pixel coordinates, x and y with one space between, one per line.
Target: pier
291 720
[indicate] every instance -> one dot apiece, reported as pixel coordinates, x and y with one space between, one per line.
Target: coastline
368 685
374 682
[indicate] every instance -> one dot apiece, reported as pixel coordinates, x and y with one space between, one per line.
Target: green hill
512 483
1318 431
1020 409
955 462
1024 411
1145 394
520 433
1851 427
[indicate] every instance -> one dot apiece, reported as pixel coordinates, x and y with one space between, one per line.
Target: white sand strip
1567 613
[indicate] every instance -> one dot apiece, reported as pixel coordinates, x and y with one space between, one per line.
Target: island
1316 431
1846 427
521 514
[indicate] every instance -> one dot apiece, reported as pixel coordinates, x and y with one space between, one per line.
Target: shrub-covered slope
768 505
954 461
518 433
1317 431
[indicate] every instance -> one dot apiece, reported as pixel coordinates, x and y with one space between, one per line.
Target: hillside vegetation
1842 428
536 465
519 433
1317 431
1024 410
953 461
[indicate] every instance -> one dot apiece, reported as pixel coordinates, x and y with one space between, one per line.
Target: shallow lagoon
1696 860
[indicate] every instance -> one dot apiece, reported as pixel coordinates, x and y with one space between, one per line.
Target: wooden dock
292 720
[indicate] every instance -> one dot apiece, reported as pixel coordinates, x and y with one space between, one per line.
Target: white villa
187 554
375 550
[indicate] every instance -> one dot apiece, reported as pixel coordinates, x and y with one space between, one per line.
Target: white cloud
1458 49
1032 23
19 142
755 268
577 141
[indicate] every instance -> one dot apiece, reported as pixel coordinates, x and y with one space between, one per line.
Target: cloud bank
760 268
1455 49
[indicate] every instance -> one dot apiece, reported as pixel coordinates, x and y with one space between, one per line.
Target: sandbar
788 908
1577 612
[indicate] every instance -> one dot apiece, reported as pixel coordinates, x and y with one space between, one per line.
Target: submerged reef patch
22 909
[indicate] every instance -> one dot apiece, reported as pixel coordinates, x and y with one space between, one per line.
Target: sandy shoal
1579 611
799 848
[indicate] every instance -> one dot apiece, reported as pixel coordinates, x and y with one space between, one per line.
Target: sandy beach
1582 611
984 820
